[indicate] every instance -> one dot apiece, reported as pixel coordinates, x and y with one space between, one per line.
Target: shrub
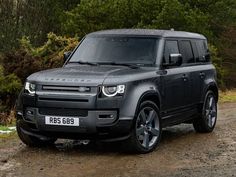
10 86
217 61
17 65
29 59
20 63
50 55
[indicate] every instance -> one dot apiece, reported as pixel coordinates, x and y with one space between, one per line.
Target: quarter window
186 51
171 47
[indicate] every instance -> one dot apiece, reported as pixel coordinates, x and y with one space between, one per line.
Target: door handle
184 77
202 75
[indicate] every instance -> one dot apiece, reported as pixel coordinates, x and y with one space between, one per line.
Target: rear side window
171 47
195 51
202 50
186 51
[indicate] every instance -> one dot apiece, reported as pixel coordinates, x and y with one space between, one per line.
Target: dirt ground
182 152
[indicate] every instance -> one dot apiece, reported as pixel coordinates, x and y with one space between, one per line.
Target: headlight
30 88
111 91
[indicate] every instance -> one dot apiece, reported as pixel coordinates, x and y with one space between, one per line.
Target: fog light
106 116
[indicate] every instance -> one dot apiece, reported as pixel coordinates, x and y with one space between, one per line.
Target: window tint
171 47
116 49
186 51
195 51
202 50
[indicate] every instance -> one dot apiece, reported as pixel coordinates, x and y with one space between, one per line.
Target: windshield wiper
85 63
133 66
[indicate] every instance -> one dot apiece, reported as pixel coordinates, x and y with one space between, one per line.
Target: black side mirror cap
67 55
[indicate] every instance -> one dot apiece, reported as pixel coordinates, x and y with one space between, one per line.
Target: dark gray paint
179 92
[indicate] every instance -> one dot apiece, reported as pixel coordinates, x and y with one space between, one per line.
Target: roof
148 32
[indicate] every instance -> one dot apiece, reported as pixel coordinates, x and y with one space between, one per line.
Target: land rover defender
122 85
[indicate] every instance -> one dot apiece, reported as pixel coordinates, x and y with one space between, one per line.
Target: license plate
64 121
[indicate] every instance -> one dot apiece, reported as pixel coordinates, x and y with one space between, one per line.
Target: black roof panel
148 32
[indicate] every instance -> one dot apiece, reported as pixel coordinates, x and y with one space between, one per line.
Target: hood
84 75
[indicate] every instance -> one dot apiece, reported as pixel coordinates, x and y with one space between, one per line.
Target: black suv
124 84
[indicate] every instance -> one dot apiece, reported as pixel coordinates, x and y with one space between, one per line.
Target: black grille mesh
63 112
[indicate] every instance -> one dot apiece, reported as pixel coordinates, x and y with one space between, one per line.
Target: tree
32 18
95 15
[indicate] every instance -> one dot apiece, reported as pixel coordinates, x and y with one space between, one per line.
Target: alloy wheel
147 127
210 110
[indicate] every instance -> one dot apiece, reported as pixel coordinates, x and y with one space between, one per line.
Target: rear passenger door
186 51
175 81
199 73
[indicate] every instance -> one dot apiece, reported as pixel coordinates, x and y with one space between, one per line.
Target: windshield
132 50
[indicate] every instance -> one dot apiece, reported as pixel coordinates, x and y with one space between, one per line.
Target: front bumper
94 124
99 118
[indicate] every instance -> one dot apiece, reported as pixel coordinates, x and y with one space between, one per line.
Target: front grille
63 112
80 89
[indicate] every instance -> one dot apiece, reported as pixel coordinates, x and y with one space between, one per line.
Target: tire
206 122
32 141
146 132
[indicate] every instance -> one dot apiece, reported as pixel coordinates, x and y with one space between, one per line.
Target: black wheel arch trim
214 88
146 95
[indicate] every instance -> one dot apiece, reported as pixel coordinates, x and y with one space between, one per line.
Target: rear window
202 51
186 51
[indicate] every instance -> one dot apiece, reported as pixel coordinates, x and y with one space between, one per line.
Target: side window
171 47
186 51
202 50
195 50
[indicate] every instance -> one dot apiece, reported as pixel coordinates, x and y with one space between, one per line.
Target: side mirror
175 59
208 57
66 55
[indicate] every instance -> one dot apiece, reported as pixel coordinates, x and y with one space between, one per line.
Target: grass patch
4 128
228 96
2 136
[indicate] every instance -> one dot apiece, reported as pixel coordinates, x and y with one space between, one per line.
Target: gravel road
182 152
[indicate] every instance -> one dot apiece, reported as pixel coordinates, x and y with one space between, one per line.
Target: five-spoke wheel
206 122
210 110
147 129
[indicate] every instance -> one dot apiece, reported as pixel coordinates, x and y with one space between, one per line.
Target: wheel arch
214 88
153 96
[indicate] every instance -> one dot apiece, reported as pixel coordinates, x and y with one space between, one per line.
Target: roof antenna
172 29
